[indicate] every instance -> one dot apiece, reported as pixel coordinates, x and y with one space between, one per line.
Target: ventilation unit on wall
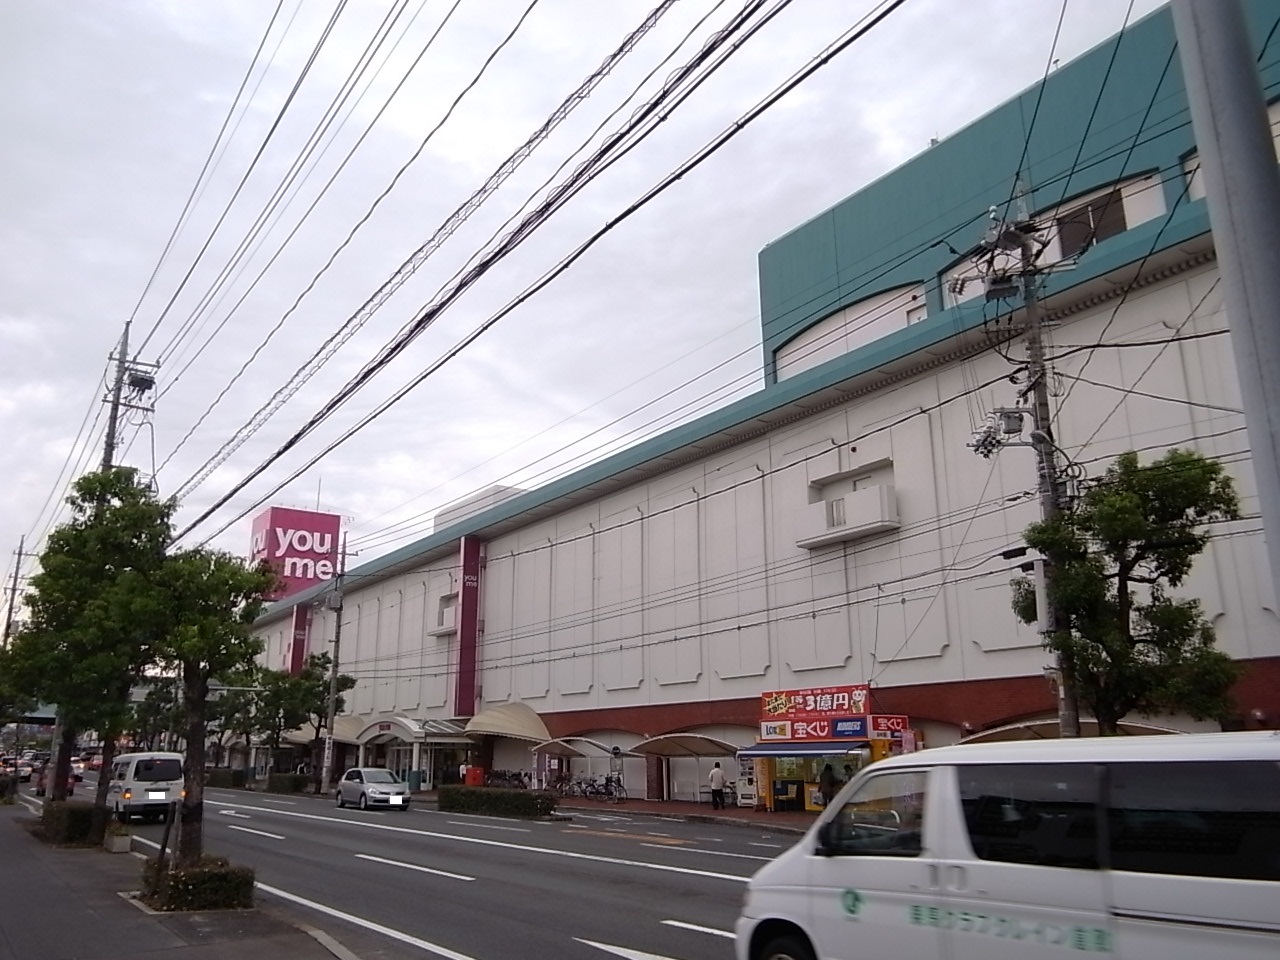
853 515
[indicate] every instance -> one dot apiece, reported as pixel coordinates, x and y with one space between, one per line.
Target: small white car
366 787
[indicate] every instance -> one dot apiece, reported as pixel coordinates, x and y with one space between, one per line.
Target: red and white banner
815 703
889 723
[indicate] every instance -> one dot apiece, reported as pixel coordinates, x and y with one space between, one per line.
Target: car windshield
153 771
380 776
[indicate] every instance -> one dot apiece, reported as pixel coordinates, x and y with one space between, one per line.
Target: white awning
1047 729
577 747
685 745
345 730
515 720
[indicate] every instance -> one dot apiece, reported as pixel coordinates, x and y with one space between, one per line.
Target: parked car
43 777
372 787
145 784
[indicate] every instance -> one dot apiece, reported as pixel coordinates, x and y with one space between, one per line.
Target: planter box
118 842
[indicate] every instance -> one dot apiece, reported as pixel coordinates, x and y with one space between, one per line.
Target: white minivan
145 784
1137 848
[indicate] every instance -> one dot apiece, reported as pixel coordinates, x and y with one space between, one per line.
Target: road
394 884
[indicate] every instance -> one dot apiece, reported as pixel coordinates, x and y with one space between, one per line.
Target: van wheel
785 948
364 802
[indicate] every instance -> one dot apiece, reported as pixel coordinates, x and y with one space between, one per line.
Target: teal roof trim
896 231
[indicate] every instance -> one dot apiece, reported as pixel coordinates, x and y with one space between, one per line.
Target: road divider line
287 803
625 952
503 844
413 866
771 846
261 833
487 826
394 934
727 934
709 853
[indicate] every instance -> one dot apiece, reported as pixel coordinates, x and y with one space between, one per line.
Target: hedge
497 801
225 777
213 884
287 782
8 788
67 821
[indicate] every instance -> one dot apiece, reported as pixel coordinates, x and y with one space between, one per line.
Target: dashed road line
728 934
487 826
413 866
261 833
707 853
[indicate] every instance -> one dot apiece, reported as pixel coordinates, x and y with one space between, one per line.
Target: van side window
1038 813
884 817
1200 819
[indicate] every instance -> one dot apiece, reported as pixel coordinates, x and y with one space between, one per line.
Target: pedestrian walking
717 787
827 784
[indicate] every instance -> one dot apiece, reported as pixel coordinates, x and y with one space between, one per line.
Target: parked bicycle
511 779
611 789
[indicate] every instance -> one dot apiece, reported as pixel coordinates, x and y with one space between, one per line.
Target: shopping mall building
824 566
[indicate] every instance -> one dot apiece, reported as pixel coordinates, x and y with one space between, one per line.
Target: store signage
839 728
854 728
775 730
890 723
815 703
384 728
301 545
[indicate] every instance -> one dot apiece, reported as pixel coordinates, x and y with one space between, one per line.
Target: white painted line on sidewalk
413 941
771 846
706 853
523 847
727 934
414 866
261 833
487 826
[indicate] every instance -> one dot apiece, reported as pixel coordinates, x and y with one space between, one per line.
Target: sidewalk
63 904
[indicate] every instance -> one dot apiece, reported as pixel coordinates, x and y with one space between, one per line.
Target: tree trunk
190 847
100 814
56 789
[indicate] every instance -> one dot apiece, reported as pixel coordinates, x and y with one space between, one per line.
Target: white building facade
835 528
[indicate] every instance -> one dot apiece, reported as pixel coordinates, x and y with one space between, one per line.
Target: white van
1137 848
144 784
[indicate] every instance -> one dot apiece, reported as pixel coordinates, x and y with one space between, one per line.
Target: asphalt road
394 884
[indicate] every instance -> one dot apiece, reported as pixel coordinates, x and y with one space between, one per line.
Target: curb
326 941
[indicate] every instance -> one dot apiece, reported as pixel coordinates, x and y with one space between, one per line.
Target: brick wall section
980 703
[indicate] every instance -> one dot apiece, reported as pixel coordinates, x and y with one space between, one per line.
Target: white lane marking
624 952
287 803
261 833
487 826
426 945
708 853
484 842
232 813
655 833
710 839
727 934
771 846
414 866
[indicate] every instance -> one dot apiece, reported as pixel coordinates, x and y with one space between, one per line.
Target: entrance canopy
1047 729
345 730
803 748
515 720
685 745
386 729
577 747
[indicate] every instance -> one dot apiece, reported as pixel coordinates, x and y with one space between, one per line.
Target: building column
362 756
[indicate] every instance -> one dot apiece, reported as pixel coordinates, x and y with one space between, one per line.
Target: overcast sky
109 111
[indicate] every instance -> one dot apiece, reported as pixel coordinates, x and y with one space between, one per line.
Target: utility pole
13 592
1005 423
1052 490
113 410
1242 185
335 604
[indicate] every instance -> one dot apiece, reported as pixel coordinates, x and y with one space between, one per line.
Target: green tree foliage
1133 536
282 705
315 690
157 714
87 636
231 710
211 600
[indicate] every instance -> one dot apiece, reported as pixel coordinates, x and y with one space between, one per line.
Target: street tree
315 682
85 640
211 600
231 711
281 706
157 715
1132 537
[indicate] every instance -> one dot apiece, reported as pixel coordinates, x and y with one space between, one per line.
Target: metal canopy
685 745
573 747
1047 729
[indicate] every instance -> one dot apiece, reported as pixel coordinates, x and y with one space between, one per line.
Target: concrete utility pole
13 592
1052 490
335 604
113 410
1242 184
